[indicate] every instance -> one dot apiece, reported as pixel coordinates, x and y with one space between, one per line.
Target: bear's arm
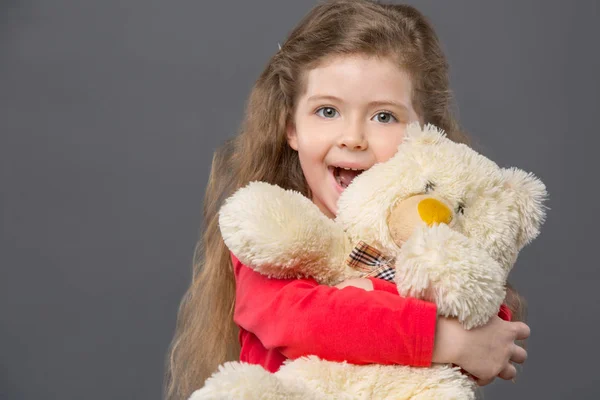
282 234
380 284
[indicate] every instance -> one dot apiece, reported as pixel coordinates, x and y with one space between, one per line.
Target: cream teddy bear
446 221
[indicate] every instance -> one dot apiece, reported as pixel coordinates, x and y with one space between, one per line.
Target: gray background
110 111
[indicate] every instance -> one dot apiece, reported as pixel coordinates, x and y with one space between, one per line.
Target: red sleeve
505 313
300 317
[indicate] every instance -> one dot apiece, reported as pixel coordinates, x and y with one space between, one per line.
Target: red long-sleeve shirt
367 327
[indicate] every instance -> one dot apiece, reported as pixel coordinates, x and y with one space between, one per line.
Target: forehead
359 79
459 165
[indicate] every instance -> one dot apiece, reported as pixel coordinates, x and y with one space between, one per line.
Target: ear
292 137
428 134
530 194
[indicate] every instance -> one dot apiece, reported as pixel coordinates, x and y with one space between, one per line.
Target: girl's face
352 115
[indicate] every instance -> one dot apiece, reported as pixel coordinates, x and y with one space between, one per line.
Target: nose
353 137
433 211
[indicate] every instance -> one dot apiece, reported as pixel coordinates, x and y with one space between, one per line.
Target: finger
522 331
483 382
519 355
508 373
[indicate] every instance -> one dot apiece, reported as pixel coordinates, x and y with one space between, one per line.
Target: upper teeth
351 169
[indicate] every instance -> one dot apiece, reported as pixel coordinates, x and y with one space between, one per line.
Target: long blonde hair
206 335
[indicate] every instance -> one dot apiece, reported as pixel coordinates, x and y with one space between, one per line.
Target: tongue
346 176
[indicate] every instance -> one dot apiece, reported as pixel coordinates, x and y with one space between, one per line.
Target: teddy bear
441 220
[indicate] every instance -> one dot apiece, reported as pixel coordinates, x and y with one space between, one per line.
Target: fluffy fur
461 265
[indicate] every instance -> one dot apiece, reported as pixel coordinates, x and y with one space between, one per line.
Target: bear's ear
530 194
428 134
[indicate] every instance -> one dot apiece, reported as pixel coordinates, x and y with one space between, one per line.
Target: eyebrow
373 103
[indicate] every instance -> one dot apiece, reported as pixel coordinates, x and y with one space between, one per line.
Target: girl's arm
485 352
300 317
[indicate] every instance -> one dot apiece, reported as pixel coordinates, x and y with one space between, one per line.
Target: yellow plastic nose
433 211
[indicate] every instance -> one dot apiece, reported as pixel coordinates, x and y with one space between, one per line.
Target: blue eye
385 117
328 112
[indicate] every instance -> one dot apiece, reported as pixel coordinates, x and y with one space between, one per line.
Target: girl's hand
485 352
362 283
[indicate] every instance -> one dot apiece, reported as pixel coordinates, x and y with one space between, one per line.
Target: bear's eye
460 209
430 186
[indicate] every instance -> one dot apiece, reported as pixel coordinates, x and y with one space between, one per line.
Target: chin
328 209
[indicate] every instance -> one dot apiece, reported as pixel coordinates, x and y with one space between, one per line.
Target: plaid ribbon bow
371 261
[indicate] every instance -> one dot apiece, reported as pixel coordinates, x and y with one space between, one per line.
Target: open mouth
345 176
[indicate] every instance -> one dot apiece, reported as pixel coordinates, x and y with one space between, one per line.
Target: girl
333 101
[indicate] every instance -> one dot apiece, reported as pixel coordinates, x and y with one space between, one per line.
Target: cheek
312 142
385 146
311 159
311 146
